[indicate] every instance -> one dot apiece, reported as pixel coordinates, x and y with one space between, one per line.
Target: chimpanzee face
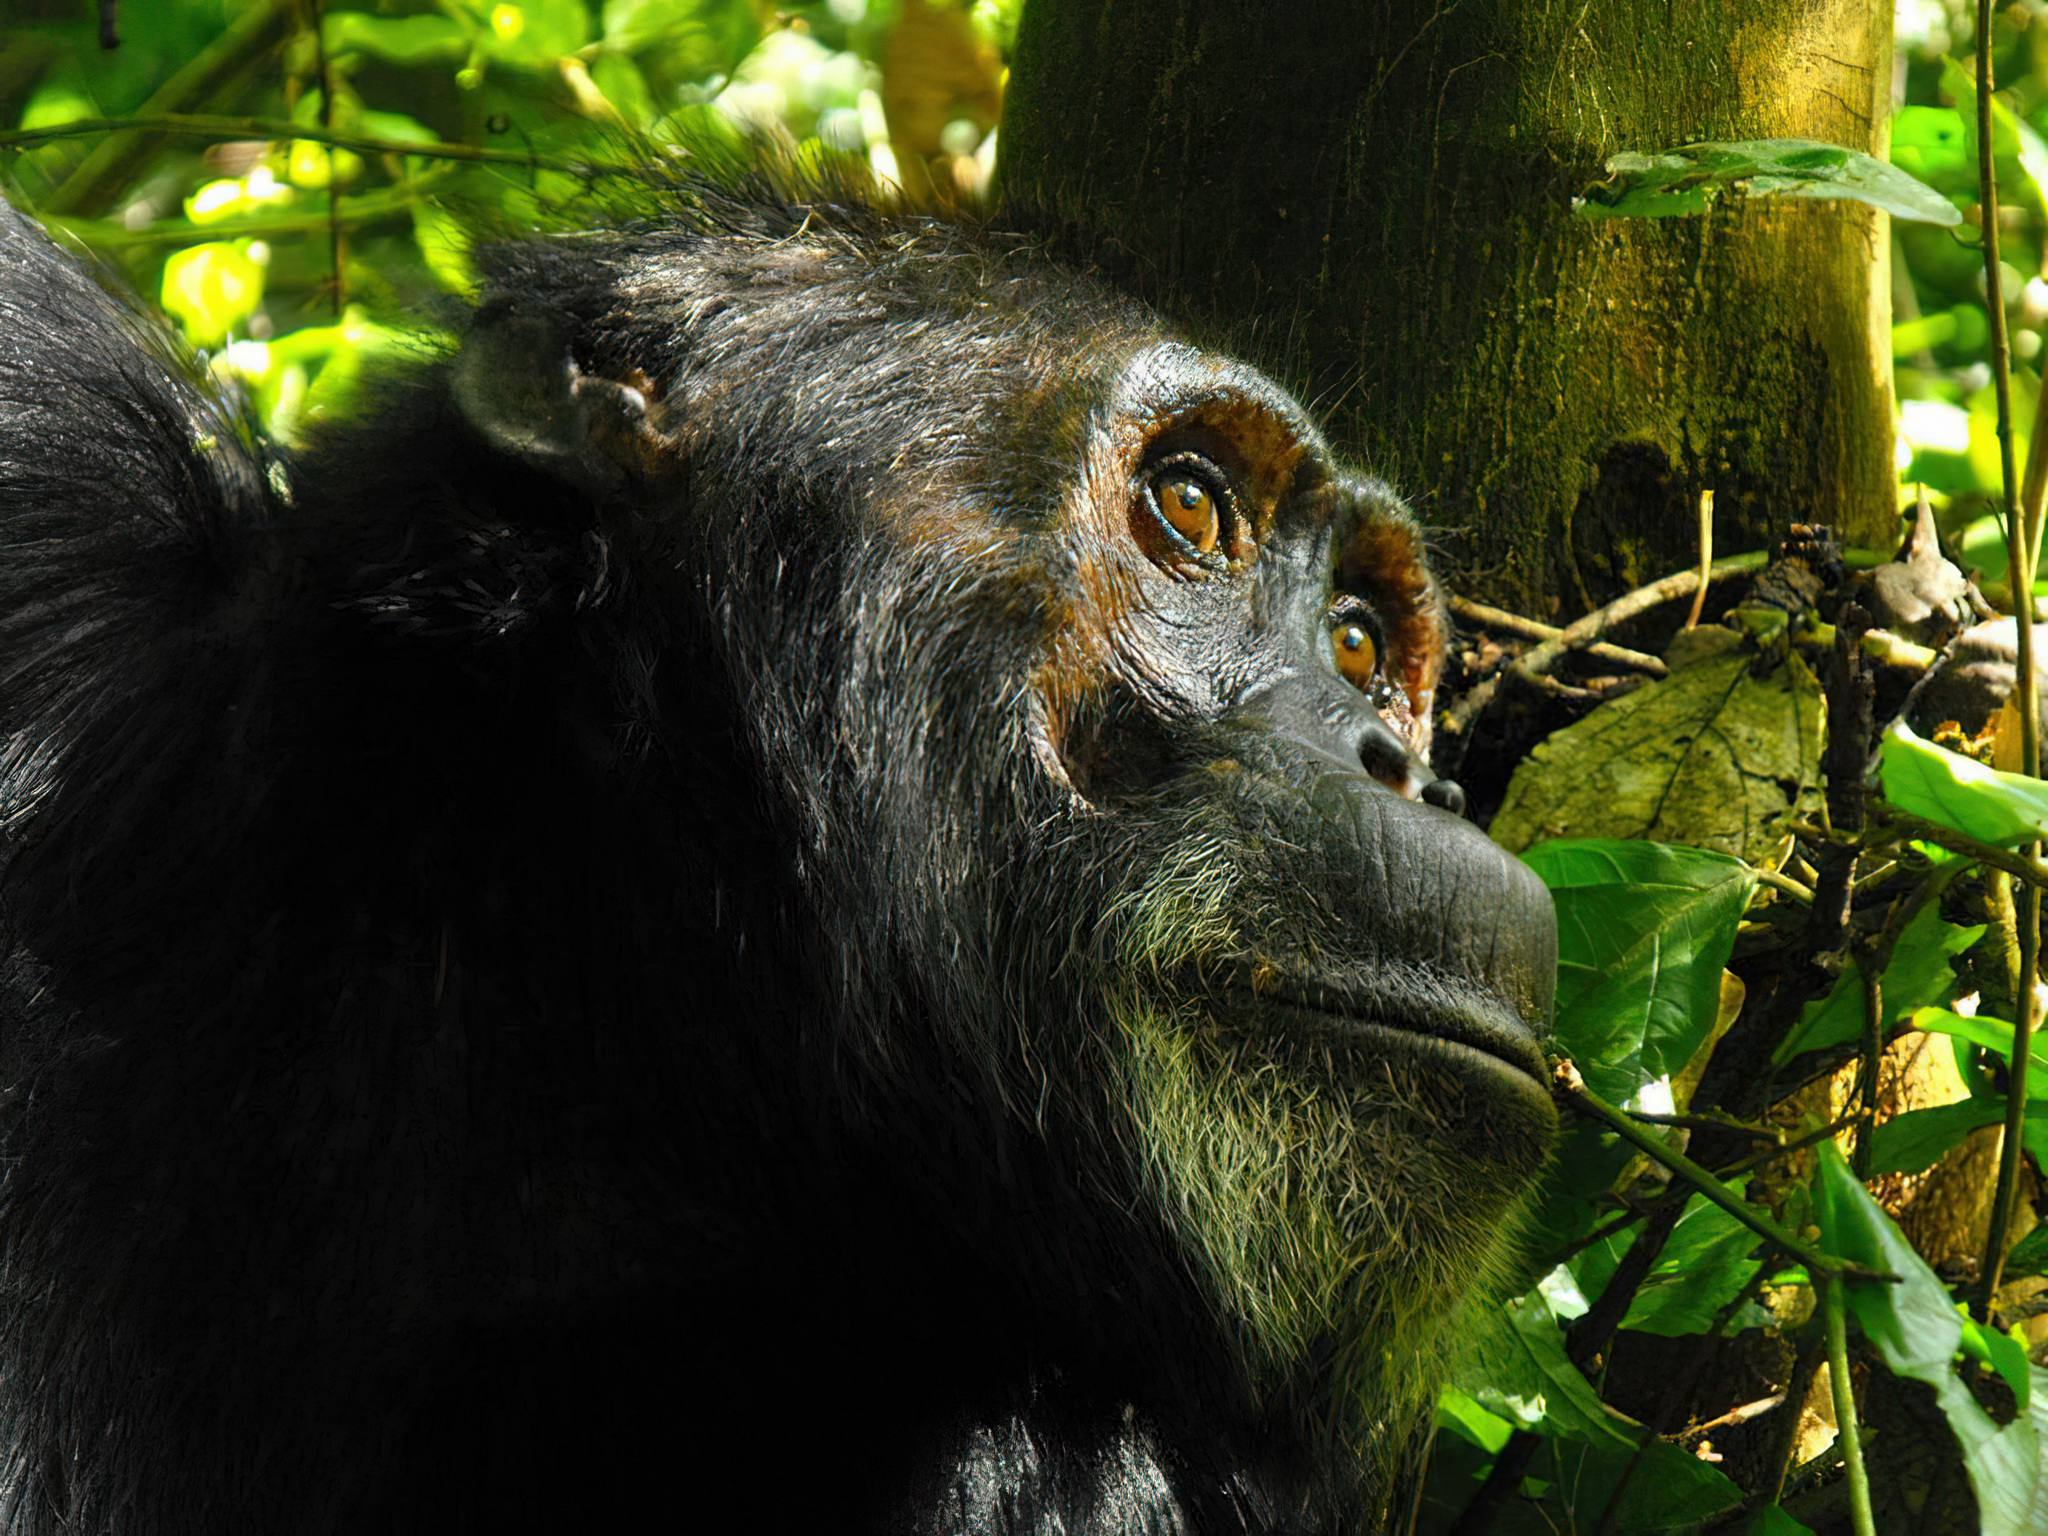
1095 697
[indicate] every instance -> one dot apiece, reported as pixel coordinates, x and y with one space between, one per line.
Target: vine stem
2021 514
1571 1090
1860 1517
207 125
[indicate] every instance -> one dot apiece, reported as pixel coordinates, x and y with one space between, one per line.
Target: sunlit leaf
1644 930
1688 179
1960 793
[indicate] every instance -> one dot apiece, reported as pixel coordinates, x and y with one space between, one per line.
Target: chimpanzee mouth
1445 1020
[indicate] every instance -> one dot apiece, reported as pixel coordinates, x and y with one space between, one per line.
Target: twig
2021 543
212 126
1799 893
1572 1092
1583 632
1699 597
2020 864
1535 629
1845 1405
364 212
1711 1122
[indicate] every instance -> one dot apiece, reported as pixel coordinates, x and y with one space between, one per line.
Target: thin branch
2021 865
1571 1090
1699 597
212 126
1846 1427
2022 542
1535 629
1583 632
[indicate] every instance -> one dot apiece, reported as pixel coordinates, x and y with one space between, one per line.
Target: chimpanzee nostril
1445 795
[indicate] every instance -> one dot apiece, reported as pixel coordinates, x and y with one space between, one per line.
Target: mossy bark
1375 200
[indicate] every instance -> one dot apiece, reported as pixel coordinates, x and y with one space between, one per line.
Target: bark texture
1374 199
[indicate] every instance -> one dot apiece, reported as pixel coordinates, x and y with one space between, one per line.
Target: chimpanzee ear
518 385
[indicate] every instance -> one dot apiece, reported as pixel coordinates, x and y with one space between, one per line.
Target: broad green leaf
1459 1411
1713 755
1519 1371
1644 930
1917 976
1707 1261
1995 1035
1775 1522
1919 1138
1688 179
2029 1255
1916 1331
1960 793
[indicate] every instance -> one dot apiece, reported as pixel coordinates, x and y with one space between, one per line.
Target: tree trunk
1394 180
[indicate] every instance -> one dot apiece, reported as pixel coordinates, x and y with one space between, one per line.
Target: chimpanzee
793 890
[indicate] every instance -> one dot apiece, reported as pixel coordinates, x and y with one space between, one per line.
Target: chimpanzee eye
1354 643
1189 496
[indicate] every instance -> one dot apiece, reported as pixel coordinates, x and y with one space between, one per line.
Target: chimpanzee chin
793 889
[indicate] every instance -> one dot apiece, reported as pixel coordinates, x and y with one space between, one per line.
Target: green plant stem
2020 544
360 212
1571 1089
211 126
1860 1518
2024 865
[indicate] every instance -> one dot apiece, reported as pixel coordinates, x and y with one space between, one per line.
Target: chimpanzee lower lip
1450 1013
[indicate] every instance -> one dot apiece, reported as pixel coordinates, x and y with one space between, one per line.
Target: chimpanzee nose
1445 795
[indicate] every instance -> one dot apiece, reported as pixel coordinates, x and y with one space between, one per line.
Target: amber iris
1358 658
1189 508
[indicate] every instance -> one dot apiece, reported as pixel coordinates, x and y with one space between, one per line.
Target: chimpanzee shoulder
794 881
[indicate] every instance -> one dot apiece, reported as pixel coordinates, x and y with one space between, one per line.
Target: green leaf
1461 1412
1644 931
1686 180
2029 1255
1917 976
1713 755
1775 1522
1918 1138
1995 1035
1959 793
1706 1264
1916 1331
1520 1371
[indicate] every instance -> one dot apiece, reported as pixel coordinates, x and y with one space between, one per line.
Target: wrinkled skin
705 911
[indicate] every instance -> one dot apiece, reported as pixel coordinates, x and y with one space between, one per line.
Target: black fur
562 947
